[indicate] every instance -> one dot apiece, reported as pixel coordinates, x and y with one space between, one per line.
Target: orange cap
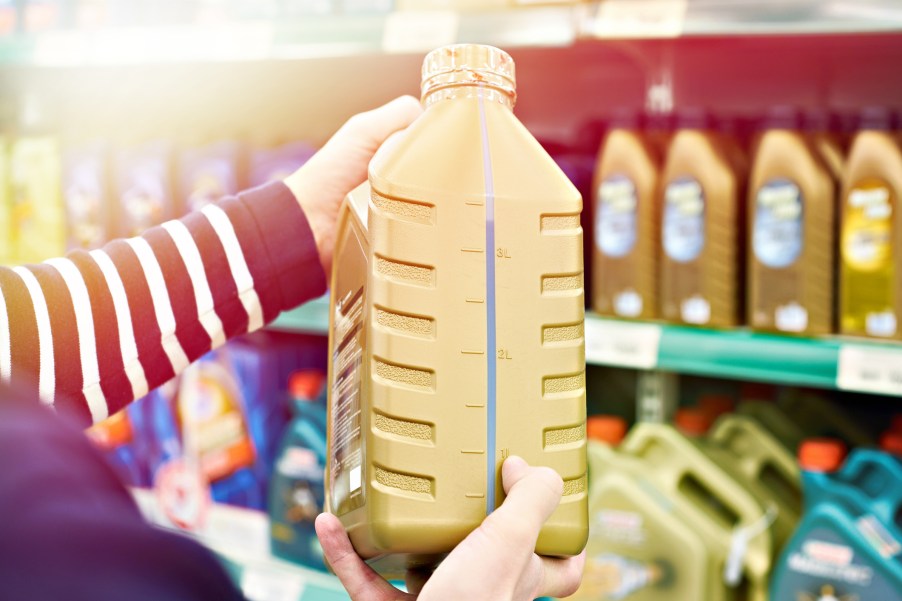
821 454
716 404
608 429
891 442
693 421
306 384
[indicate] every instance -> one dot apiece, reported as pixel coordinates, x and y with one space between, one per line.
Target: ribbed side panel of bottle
541 352
428 371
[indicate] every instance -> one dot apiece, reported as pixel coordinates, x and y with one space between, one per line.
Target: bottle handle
868 463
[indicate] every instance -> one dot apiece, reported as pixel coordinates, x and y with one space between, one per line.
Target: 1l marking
503 253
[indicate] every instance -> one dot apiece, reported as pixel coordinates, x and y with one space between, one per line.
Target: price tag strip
622 344
870 369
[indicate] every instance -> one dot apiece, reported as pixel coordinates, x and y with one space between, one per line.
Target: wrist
320 223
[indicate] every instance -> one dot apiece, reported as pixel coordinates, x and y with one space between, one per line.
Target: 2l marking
504 354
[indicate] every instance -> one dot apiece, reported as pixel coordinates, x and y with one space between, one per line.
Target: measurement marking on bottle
472 451
503 253
475 203
466 352
475 495
475 405
504 354
475 300
471 250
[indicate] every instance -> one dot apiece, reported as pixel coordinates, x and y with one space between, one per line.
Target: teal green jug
848 546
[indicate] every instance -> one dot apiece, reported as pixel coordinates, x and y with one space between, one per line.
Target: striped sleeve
95 330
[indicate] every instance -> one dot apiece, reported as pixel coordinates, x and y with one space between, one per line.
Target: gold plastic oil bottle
456 330
870 281
624 276
701 527
630 528
38 216
701 213
759 459
790 234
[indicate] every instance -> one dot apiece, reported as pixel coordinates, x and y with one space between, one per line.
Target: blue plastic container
848 545
297 494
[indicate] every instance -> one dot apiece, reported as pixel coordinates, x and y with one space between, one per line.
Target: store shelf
310 318
529 24
736 354
829 362
240 537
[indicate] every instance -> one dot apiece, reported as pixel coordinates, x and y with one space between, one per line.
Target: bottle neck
467 90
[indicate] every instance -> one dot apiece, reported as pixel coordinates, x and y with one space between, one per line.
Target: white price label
622 344
261 584
640 18
870 369
419 31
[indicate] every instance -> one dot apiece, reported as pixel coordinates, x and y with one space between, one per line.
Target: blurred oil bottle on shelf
791 224
625 253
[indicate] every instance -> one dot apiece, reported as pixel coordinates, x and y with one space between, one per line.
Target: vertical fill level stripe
492 364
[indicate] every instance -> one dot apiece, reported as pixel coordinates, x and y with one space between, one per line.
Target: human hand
340 166
496 561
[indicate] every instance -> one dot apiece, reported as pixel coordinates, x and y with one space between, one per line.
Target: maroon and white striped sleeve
95 330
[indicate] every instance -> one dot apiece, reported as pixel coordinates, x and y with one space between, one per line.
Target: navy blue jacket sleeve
70 531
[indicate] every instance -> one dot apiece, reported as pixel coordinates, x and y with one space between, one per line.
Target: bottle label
824 566
143 203
207 186
183 494
628 304
791 317
615 224
213 423
695 310
37 212
84 203
866 249
303 496
299 462
621 527
684 220
777 232
612 577
867 232
879 537
347 468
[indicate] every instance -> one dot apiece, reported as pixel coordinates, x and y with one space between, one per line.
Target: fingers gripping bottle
456 331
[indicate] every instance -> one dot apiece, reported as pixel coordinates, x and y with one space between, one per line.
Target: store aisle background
117 115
